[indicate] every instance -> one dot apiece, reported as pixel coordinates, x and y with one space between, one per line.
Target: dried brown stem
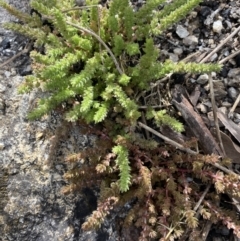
220 45
214 109
234 106
173 143
24 51
229 57
180 147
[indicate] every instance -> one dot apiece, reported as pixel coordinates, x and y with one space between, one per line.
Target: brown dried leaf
230 125
194 96
231 149
195 123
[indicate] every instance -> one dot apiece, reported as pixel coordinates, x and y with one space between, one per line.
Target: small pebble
7 74
192 80
2 88
2 145
226 104
173 57
214 74
202 79
213 57
26 71
220 93
206 87
229 24
5 44
39 135
190 40
178 51
223 109
233 93
202 108
80 3
232 82
217 26
208 103
233 72
181 31
226 53
237 116
205 11
210 117
210 41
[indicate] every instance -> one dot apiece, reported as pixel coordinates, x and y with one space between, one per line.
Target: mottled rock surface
32 164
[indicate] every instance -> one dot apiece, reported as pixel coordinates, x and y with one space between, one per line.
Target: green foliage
172 13
162 118
123 163
95 60
75 42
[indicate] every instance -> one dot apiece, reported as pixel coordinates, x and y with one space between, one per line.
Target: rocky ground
31 153
31 160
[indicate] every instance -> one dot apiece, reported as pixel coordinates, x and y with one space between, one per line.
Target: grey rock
32 166
229 24
217 26
220 93
226 104
7 74
226 53
223 109
233 82
207 103
181 31
192 80
5 43
214 57
173 57
178 51
233 93
219 89
236 118
210 118
80 3
26 71
203 79
234 72
208 20
2 145
235 12
190 40
34 163
2 88
202 108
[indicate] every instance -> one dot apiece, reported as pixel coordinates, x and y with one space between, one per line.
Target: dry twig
195 122
181 147
230 114
171 142
214 109
220 45
229 57
24 51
